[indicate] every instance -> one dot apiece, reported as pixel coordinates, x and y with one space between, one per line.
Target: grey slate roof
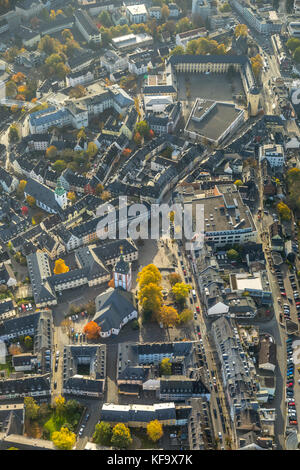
112 307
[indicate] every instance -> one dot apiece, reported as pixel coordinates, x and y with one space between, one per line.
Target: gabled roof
112 307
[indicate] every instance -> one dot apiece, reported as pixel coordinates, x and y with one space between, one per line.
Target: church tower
61 195
122 273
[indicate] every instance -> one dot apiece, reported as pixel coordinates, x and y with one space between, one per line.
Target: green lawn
7 366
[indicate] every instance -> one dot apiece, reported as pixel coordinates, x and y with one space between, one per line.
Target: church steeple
122 272
61 194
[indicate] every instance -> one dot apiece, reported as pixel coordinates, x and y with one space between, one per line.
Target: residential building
274 154
87 27
137 13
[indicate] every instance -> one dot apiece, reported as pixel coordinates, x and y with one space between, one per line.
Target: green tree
105 19
13 133
31 408
292 44
185 316
143 128
183 25
225 8
296 55
103 433
178 50
232 254
92 149
59 166
121 437
11 89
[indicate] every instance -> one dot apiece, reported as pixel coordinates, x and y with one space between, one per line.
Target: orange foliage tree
60 267
92 330
111 283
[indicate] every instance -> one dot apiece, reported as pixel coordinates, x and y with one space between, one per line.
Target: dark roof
112 307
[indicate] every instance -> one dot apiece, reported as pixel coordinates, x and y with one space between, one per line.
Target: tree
28 342
11 89
296 55
71 196
92 330
102 434
59 166
241 30
166 366
13 133
64 439
92 149
67 35
168 316
150 297
238 183
81 134
174 278
121 437
292 44
178 50
24 210
20 189
14 349
137 139
181 291
99 189
185 316
31 408
154 430
232 254
143 128
149 274
105 195
105 19
284 211
225 8
126 152
257 64
77 92
60 405
60 267
165 12
30 200
183 25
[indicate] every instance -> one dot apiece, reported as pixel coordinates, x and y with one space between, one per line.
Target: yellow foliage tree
121 437
71 196
60 267
166 366
284 211
154 430
30 200
150 297
241 30
181 291
60 403
167 315
149 274
64 439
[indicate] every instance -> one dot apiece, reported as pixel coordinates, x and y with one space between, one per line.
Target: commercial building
274 154
131 42
137 13
263 22
213 120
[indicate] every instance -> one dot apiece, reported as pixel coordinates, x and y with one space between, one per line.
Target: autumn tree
20 189
154 430
150 298
64 439
105 195
238 183
143 128
30 200
99 189
167 316
102 434
284 211
257 65
165 366
137 139
60 267
241 30
71 196
81 134
51 152
28 342
181 291
121 437
14 349
149 274
185 316
31 408
92 149
92 330
174 278
126 152
11 89
60 404
59 166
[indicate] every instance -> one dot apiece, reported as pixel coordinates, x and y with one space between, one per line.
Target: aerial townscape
149 225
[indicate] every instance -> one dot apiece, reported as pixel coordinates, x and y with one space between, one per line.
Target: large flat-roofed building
227 220
294 29
256 284
130 42
137 13
213 120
